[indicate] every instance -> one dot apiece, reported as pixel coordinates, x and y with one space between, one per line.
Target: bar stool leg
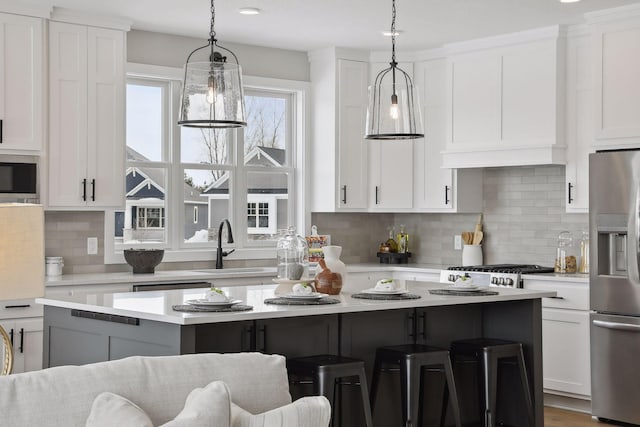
451 389
410 391
362 377
377 367
324 385
490 387
525 386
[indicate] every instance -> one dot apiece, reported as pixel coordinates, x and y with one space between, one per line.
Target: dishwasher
144 287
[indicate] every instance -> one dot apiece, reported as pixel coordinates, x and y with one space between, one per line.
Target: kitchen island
111 326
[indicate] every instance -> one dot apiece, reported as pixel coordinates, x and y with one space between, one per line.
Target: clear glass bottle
565 258
403 240
584 253
292 253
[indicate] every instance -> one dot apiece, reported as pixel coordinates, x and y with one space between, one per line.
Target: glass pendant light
212 94
394 109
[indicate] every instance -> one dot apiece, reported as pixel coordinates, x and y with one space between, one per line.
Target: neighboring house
144 216
267 194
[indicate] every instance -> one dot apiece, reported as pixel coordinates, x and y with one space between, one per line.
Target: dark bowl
143 260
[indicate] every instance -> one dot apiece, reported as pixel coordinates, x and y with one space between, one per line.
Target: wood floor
554 417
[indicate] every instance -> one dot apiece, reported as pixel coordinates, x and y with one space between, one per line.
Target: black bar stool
325 370
488 353
412 358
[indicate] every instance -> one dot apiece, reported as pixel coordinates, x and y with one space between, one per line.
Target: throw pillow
207 406
312 411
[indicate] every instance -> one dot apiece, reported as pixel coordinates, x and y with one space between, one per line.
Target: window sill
208 254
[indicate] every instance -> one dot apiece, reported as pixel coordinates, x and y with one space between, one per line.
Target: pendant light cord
393 32
212 32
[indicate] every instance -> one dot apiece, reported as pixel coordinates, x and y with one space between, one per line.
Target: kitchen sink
240 270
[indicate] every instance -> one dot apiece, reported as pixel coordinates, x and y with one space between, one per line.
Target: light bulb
211 90
394 111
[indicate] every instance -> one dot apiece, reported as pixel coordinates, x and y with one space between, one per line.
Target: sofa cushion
205 407
158 385
312 411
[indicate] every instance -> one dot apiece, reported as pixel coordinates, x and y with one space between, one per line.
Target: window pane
265 134
209 190
144 122
144 218
210 146
267 201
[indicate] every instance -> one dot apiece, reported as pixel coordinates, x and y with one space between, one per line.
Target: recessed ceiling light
569 1
387 33
249 11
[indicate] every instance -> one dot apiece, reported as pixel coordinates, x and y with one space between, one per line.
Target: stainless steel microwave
19 179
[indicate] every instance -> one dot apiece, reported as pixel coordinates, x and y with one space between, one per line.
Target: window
183 182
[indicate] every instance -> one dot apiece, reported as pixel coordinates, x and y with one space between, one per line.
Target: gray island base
113 326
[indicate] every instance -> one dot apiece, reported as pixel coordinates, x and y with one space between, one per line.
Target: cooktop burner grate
505 268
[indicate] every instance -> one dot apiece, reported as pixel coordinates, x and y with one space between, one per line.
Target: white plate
293 282
313 295
207 303
381 292
464 288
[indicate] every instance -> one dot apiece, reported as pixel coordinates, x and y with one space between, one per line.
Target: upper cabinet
21 84
339 153
506 100
616 66
438 189
86 115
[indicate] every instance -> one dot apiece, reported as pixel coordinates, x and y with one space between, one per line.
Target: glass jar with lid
292 253
584 253
565 257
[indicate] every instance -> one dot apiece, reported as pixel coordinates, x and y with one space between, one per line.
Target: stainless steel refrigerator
614 228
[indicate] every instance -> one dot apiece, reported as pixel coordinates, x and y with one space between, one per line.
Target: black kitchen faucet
220 253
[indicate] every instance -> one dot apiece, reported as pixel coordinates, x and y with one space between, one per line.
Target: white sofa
63 396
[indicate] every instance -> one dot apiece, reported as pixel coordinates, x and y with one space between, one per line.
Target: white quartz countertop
157 305
175 276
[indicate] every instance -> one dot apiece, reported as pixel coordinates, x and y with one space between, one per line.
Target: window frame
297 160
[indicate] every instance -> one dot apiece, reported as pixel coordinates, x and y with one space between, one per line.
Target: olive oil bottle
403 240
391 241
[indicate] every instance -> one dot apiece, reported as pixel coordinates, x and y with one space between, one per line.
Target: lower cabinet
26 339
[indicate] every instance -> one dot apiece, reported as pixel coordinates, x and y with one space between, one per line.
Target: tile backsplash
524 210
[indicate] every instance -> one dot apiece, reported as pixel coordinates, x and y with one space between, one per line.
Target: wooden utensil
479 224
477 237
467 237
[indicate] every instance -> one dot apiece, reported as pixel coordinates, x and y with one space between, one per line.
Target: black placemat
385 297
452 292
193 309
290 301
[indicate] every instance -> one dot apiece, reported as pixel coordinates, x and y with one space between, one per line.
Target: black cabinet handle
1 132
422 322
412 326
556 297
84 189
446 194
261 344
93 190
570 198
247 338
11 336
344 194
21 340
18 306
377 189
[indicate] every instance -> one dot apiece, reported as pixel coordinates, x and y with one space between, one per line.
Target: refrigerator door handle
616 325
633 241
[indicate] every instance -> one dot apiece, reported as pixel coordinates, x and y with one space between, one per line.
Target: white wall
169 50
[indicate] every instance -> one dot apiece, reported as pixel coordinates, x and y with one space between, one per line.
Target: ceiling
310 24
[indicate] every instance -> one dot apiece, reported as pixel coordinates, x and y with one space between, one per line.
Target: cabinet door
475 85
579 123
617 85
434 184
106 134
565 351
352 148
26 337
391 174
298 336
67 115
21 85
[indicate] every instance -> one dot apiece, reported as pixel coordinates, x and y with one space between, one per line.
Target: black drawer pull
1 137
84 190
17 306
446 194
11 336
106 317
21 340
93 190
555 297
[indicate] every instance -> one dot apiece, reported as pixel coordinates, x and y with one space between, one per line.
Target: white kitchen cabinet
390 163
21 84
87 113
22 319
438 189
565 337
505 95
616 67
579 122
339 170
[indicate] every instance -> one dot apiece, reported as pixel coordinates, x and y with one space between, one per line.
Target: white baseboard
566 402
